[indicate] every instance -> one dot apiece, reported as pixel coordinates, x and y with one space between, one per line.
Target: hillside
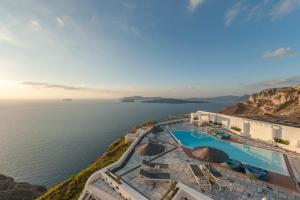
277 105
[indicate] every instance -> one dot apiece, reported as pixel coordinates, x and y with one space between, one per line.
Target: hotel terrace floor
242 187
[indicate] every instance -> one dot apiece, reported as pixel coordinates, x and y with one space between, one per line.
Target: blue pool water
270 160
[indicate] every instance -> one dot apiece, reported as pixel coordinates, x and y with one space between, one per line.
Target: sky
170 48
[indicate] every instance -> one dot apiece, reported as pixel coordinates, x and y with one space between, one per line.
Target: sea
45 142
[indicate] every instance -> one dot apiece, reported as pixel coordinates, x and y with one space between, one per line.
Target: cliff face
278 105
11 190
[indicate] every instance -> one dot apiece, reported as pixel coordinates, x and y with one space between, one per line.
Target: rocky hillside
278 105
11 190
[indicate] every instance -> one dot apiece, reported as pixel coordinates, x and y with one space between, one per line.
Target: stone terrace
242 186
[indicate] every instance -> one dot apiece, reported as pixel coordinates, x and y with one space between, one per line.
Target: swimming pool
270 160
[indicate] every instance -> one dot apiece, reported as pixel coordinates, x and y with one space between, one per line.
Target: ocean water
45 142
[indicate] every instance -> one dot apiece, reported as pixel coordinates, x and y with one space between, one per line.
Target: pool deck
179 158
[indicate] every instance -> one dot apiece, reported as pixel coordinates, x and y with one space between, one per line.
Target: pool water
266 159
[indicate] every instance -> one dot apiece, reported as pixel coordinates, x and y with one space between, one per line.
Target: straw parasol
157 129
210 154
150 149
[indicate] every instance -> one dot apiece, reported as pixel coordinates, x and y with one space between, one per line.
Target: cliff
277 105
12 190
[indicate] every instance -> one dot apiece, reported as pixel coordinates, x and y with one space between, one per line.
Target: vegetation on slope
71 188
145 125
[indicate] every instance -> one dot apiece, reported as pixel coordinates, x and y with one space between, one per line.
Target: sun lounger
155 165
216 176
159 176
221 134
201 179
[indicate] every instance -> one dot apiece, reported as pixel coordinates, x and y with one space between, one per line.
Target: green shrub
144 125
236 128
281 141
71 188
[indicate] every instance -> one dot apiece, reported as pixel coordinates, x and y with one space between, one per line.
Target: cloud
279 53
35 24
7 37
193 4
257 10
283 7
60 22
42 85
129 6
190 87
232 13
49 85
294 80
132 30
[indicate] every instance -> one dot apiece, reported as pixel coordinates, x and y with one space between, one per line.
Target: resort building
207 156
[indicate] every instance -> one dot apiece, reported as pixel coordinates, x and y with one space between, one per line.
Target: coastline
71 188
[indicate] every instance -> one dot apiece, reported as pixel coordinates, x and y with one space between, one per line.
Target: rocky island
160 100
11 190
142 99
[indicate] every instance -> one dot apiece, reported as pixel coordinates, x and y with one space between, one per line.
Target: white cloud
190 87
232 13
7 37
278 53
35 24
129 6
294 80
283 7
135 31
45 85
60 21
193 4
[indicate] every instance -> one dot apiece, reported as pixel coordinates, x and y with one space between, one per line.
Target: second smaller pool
269 160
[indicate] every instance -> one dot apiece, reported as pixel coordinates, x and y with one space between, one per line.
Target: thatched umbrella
210 154
157 129
149 149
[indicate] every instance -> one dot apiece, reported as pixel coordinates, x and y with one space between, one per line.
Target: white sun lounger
216 177
201 179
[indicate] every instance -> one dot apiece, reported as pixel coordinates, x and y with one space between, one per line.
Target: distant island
159 100
179 101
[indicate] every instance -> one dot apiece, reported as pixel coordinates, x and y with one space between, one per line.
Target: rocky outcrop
278 105
11 190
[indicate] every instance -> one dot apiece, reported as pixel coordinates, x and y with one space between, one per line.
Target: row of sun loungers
154 175
202 181
220 134
205 174
155 165
250 170
216 176
154 172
